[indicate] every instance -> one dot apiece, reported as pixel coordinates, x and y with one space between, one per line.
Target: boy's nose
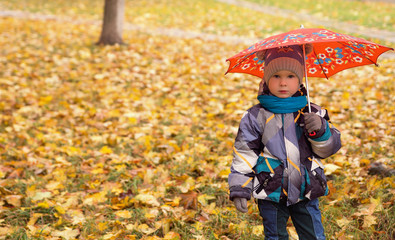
283 82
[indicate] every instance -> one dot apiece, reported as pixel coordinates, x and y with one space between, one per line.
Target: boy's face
283 84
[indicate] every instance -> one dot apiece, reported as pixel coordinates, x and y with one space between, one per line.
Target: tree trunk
112 22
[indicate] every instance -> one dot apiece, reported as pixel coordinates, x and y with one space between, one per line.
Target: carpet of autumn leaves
135 141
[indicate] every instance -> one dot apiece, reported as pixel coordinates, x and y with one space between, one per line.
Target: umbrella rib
244 58
322 68
359 53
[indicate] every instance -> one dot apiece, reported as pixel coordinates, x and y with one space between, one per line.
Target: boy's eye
291 76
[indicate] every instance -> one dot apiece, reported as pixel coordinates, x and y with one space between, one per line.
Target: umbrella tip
301 26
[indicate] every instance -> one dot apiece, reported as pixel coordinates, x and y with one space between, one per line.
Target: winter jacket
265 150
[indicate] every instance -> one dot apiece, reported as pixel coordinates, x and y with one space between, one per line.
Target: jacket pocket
269 174
316 183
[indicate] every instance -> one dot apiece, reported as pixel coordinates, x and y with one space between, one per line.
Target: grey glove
240 204
312 122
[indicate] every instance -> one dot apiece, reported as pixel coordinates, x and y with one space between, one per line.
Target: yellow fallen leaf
97 170
376 204
131 227
204 199
67 234
198 226
101 226
41 196
153 238
147 199
44 204
172 236
123 214
343 222
292 233
33 219
106 150
4 191
257 230
224 173
165 225
112 236
132 120
53 185
188 185
31 191
4 231
175 202
60 210
14 200
330 168
95 198
45 100
130 237
30 229
77 216
369 221
364 162
153 213
145 229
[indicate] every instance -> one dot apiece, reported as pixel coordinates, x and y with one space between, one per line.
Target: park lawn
210 16
135 141
372 14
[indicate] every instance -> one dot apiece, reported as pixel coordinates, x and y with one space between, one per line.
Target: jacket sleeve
247 147
327 141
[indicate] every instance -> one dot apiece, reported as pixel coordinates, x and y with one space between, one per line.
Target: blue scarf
282 105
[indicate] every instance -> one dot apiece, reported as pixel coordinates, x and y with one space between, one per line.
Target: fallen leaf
5 191
145 229
96 198
123 214
105 150
67 234
343 222
14 200
204 199
189 200
112 236
77 216
4 231
330 168
257 230
38 196
369 221
147 199
33 219
172 236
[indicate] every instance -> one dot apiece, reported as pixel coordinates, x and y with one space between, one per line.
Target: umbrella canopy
332 52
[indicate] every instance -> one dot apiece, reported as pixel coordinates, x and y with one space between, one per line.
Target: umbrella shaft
305 77
308 95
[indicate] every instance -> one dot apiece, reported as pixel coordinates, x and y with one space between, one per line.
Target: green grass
373 14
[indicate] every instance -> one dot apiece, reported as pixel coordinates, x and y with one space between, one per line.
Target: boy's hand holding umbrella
313 123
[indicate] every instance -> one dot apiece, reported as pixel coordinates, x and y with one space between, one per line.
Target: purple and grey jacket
274 158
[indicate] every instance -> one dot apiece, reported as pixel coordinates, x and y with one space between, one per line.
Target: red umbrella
331 52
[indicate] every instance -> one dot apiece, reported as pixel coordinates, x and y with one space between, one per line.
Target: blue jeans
305 216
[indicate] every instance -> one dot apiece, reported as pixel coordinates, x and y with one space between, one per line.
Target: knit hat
288 58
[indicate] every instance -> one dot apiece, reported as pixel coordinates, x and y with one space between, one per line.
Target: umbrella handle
312 134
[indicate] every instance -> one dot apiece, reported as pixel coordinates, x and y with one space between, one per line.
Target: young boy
278 149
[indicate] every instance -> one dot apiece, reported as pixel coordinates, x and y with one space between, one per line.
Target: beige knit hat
288 58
